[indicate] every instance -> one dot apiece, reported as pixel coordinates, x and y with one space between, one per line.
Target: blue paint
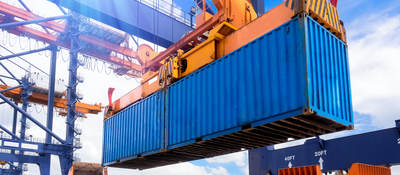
135 17
135 130
337 154
297 67
263 81
329 91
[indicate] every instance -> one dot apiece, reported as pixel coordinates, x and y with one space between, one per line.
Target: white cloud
218 171
395 170
176 169
239 159
374 56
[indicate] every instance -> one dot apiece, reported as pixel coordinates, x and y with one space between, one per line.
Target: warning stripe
323 9
329 14
333 16
292 4
337 21
313 4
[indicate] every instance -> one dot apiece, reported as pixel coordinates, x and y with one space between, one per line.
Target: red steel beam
51 39
155 63
25 15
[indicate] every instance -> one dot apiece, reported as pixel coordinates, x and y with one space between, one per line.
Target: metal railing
169 9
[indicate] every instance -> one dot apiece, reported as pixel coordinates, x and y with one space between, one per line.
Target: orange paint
363 169
150 84
306 170
202 18
240 14
208 50
42 98
10 10
262 25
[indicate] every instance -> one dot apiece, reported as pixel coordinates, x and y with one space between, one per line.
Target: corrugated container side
136 130
328 73
293 82
260 81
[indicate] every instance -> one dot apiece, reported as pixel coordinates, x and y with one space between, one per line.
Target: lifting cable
25 61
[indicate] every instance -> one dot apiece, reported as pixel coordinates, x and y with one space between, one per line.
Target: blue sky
372 29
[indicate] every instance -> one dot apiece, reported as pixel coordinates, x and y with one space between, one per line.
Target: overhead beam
51 39
9 72
155 62
24 53
25 15
36 147
133 17
34 21
20 158
42 98
11 88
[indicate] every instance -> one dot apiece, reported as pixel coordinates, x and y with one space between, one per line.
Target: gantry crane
61 31
208 42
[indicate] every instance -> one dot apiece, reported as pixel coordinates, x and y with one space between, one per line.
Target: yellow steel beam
61 103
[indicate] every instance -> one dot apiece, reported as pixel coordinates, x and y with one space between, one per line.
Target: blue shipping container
293 82
136 130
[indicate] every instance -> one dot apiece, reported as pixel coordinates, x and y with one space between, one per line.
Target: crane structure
71 32
189 48
40 152
95 46
42 98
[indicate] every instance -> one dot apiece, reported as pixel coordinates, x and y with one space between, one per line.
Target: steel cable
64 57
30 43
36 45
12 42
93 65
87 63
127 77
37 110
107 67
102 67
81 60
29 109
25 60
4 37
26 70
47 53
20 43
